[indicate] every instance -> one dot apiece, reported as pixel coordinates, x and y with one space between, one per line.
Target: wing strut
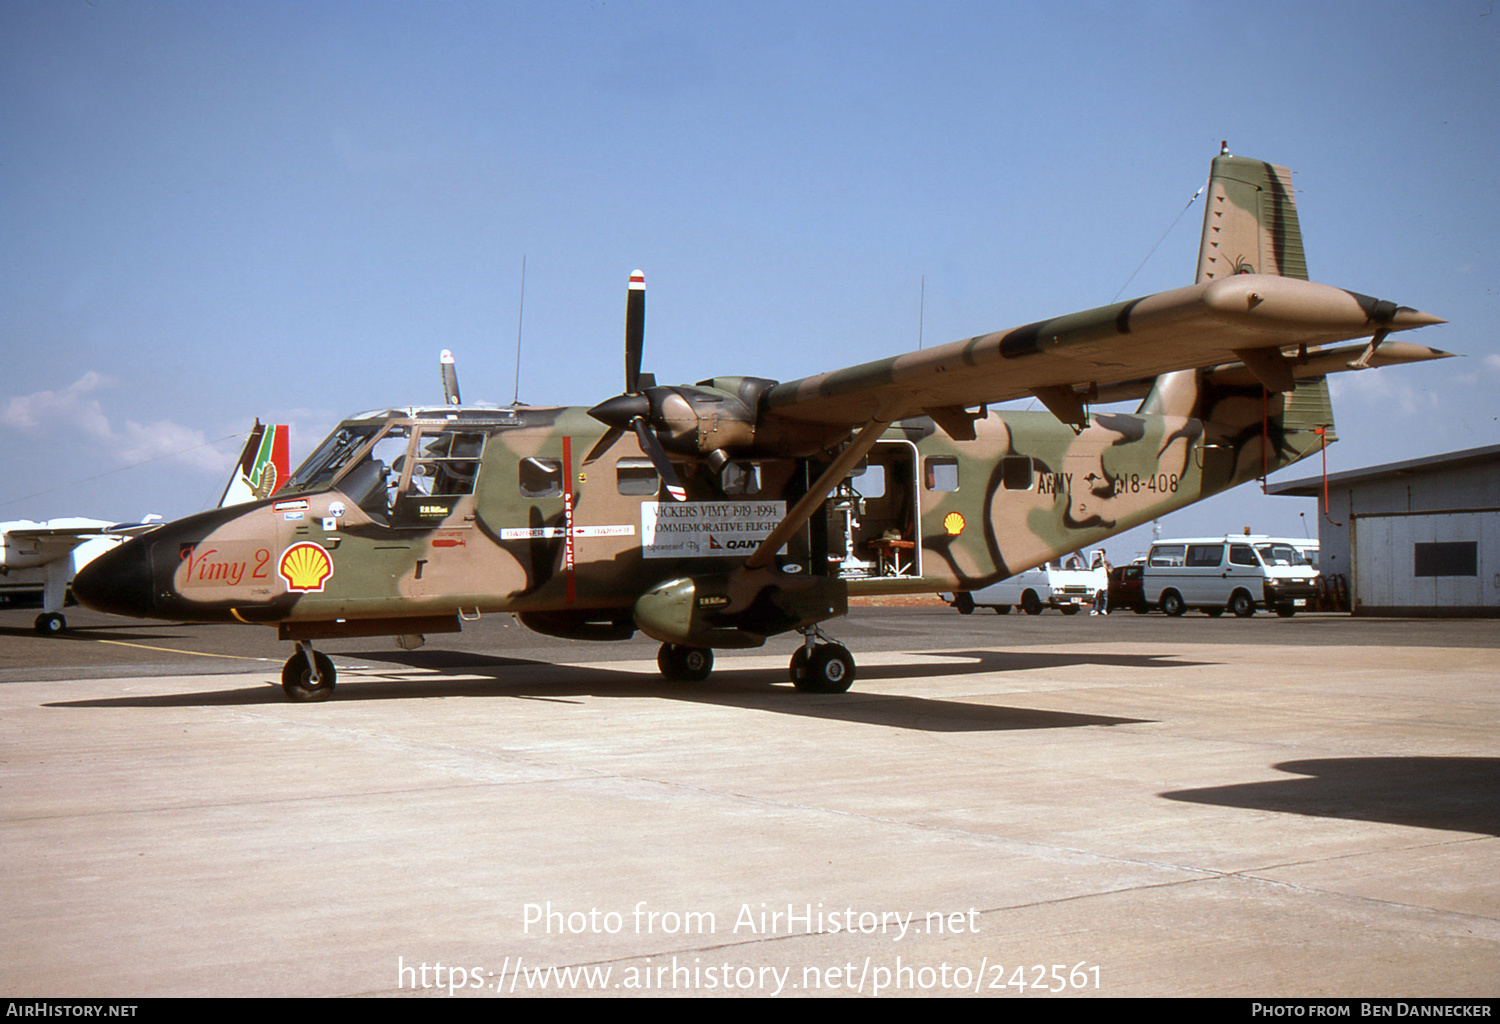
811 501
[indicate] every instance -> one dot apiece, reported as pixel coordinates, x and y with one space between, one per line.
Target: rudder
1250 222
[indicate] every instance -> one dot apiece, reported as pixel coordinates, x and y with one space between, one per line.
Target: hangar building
1413 538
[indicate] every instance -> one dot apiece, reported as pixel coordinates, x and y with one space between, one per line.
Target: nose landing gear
308 675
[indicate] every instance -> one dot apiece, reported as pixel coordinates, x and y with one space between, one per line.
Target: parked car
1127 589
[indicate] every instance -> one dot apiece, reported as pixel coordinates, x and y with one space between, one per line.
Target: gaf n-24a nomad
720 514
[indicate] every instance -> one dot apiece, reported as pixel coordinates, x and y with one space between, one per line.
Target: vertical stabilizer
1249 227
262 467
1250 222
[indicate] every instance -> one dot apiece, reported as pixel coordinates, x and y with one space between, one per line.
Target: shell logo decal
953 522
305 567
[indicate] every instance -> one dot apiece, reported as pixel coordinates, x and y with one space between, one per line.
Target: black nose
118 581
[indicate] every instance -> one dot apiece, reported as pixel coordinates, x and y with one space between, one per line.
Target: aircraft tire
50 624
964 602
296 678
1030 603
682 664
829 669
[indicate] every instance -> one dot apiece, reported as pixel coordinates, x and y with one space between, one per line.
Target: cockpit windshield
400 471
320 468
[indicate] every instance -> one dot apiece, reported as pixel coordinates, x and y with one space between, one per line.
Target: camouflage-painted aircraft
737 509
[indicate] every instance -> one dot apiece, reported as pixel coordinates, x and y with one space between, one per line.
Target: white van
1068 586
1238 574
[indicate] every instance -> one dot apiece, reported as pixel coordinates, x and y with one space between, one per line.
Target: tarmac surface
1120 806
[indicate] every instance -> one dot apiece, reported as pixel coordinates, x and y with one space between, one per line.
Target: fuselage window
541 478
636 477
942 473
1016 473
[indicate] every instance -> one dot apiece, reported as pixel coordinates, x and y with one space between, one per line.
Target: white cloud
69 407
75 412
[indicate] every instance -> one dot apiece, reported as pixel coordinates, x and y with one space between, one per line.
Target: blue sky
214 211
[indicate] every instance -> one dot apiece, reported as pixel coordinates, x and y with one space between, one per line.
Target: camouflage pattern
1250 222
889 477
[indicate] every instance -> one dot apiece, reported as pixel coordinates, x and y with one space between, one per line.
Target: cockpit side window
386 467
448 463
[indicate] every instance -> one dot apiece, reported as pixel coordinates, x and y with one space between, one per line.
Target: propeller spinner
632 410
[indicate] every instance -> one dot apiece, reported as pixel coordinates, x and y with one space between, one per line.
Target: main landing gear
824 667
308 675
819 666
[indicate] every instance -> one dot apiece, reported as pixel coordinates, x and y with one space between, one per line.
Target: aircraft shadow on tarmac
429 674
1459 794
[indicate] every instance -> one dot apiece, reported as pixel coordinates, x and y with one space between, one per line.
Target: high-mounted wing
1235 319
1251 309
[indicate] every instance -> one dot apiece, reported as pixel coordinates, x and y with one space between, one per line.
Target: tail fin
1249 227
263 465
1250 222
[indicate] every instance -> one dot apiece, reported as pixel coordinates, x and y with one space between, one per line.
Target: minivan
1237 574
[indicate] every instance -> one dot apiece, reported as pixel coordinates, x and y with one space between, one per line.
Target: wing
1252 314
33 545
1270 327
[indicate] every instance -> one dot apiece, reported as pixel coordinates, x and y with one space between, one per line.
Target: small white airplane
45 556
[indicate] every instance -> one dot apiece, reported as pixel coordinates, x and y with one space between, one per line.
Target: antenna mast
520 320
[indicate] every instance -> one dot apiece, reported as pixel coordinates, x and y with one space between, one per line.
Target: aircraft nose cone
118 581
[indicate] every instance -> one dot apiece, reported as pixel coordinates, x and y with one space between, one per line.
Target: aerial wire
121 469
1160 240
921 309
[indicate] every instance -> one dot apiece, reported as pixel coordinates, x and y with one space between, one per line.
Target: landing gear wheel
1030 603
50 624
1242 605
685 664
296 677
829 669
964 602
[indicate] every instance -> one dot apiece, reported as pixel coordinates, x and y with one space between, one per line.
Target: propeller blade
450 379
635 330
652 447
